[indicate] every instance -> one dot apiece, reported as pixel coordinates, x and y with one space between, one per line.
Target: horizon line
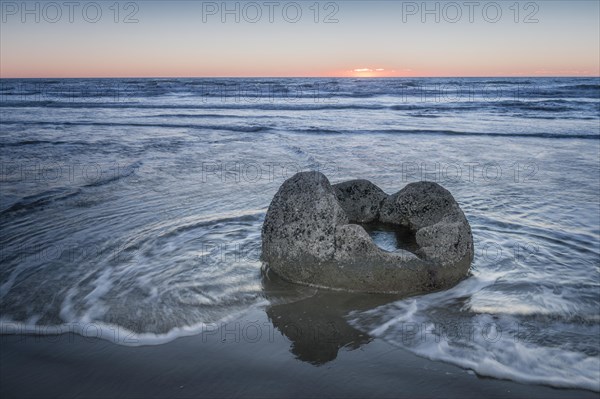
305 77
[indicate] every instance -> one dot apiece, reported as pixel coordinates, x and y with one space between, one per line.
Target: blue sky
303 38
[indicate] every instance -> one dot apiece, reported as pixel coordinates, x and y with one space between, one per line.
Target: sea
135 206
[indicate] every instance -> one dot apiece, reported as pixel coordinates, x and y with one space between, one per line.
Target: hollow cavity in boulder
391 237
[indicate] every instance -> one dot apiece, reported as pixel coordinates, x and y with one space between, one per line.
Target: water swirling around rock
103 223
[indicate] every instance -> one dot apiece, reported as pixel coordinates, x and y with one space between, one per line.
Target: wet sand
261 354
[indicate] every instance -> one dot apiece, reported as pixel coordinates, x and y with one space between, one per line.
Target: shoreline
247 357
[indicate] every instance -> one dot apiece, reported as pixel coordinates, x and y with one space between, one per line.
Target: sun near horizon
365 73
349 39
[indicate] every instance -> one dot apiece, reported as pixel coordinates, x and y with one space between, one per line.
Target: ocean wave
38 200
524 81
234 128
534 101
266 106
143 87
194 116
450 133
58 194
172 269
124 173
41 142
309 130
544 106
116 333
506 358
593 87
494 345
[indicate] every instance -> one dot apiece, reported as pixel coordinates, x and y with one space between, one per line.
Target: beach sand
245 357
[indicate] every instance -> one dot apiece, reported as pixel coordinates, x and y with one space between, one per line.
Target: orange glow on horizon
138 71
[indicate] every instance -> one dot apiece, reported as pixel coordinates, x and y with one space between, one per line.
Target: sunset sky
385 38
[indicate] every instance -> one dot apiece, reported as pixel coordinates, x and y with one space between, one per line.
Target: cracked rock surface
312 235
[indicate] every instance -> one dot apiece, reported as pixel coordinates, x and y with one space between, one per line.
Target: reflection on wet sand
314 320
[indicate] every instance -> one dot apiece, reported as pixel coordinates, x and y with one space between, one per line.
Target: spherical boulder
312 235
